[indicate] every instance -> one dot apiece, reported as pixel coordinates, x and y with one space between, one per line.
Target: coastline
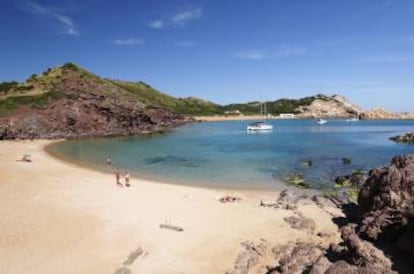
218 118
62 217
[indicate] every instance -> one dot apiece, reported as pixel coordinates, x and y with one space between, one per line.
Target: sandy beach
56 217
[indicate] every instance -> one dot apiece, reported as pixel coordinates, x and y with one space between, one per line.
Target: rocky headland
68 102
337 106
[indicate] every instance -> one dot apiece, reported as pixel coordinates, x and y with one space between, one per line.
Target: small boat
259 126
353 119
321 121
262 125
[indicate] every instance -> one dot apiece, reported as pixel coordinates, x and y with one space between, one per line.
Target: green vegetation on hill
6 87
188 106
274 107
12 103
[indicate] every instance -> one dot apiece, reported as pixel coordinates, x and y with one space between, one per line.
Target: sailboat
260 125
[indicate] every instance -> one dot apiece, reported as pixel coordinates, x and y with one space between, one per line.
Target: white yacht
262 125
259 126
321 121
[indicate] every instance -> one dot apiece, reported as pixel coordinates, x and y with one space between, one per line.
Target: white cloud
183 17
185 44
251 55
66 22
128 42
157 24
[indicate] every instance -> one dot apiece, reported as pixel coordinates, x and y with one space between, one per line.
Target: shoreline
220 118
99 168
59 217
237 118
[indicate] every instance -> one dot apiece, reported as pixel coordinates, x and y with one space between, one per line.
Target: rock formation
407 138
383 114
353 255
337 106
386 203
383 217
329 107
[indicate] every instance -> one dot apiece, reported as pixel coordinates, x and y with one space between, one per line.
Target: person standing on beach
118 177
127 179
108 161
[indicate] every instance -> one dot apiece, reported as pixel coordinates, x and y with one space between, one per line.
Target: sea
224 155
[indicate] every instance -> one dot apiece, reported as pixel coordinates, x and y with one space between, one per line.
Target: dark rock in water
296 179
307 163
406 138
174 160
343 181
349 185
346 161
358 178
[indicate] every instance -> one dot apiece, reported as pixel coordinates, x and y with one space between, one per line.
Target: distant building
233 112
287 115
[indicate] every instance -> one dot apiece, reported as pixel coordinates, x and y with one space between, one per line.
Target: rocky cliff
383 114
337 106
68 101
324 106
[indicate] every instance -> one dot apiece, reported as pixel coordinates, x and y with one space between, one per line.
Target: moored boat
259 126
321 121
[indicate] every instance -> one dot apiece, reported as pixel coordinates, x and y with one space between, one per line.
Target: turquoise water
223 154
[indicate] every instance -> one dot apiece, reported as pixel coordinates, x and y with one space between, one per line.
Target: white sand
56 217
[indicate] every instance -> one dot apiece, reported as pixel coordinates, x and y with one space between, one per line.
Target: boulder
386 200
301 223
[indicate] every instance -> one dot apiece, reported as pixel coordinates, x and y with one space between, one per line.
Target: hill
186 106
69 101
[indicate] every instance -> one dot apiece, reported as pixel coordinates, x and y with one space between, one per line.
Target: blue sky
224 51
